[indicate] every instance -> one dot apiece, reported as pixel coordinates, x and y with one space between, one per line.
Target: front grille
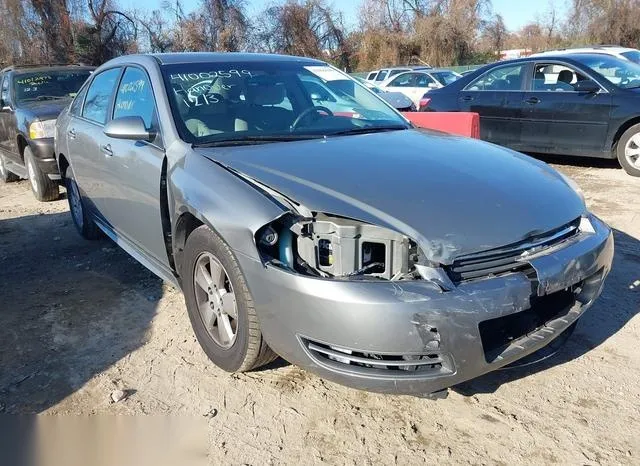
507 259
497 334
341 357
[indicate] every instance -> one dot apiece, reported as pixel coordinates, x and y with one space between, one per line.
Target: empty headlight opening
336 247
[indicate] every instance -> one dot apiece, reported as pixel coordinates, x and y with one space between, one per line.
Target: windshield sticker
187 77
39 79
326 72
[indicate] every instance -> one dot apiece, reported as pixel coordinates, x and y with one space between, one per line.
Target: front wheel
44 189
220 305
628 150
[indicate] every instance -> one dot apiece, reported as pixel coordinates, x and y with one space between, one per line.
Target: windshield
632 55
445 77
271 101
48 85
622 73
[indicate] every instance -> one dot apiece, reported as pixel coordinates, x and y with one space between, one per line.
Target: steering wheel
308 112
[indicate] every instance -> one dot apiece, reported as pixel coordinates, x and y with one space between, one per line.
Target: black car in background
31 97
578 104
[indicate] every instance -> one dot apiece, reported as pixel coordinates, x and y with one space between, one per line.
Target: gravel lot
80 319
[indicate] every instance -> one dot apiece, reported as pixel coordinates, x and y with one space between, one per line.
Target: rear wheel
5 175
81 218
628 150
44 189
220 305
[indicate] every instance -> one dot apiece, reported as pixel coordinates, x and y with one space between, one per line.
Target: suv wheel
5 174
81 219
43 188
628 150
220 305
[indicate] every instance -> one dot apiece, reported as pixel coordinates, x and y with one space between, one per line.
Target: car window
504 78
48 85
632 55
382 75
445 77
622 73
404 80
556 78
76 105
372 76
96 105
394 72
423 80
135 97
270 99
318 93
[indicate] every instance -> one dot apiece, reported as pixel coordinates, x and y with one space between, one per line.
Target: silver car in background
372 253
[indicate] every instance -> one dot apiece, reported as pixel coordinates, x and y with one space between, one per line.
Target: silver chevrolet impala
345 240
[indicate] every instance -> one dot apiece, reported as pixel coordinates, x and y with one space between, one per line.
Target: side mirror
316 97
432 86
587 86
4 106
131 127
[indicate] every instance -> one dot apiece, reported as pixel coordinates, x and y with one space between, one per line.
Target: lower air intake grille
507 259
340 357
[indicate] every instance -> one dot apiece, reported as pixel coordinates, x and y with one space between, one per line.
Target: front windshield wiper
263 139
368 129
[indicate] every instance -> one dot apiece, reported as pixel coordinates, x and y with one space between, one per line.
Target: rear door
559 119
86 140
133 169
496 96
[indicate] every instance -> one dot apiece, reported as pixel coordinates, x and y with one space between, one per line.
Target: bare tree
56 26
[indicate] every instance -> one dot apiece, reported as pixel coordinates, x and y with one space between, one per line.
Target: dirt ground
79 319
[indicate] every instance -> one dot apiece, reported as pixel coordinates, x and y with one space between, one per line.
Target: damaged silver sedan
338 236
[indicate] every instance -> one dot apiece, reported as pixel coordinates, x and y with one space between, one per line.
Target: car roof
40 68
233 57
605 49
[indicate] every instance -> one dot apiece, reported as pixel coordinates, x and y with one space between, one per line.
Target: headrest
265 93
565 76
229 88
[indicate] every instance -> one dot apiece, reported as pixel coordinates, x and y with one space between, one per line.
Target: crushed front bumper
410 337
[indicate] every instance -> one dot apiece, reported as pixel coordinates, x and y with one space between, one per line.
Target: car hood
44 109
396 99
452 195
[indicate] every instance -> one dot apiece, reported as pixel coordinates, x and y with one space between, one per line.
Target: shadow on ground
573 161
618 304
69 309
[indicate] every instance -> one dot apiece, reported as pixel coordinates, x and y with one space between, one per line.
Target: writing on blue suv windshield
256 102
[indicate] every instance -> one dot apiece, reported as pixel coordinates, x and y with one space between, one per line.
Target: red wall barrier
462 123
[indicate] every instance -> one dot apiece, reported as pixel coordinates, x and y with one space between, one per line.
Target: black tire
77 208
249 349
5 175
631 167
44 189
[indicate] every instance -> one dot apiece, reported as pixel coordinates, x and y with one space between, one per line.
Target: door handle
71 133
106 150
467 98
532 100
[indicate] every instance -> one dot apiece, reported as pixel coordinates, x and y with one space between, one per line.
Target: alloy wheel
632 151
216 300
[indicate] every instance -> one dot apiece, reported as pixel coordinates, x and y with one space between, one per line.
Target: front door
412 84
8 134
559 119
134 168
497 97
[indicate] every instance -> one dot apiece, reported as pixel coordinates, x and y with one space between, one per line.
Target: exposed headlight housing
42 129
339 248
